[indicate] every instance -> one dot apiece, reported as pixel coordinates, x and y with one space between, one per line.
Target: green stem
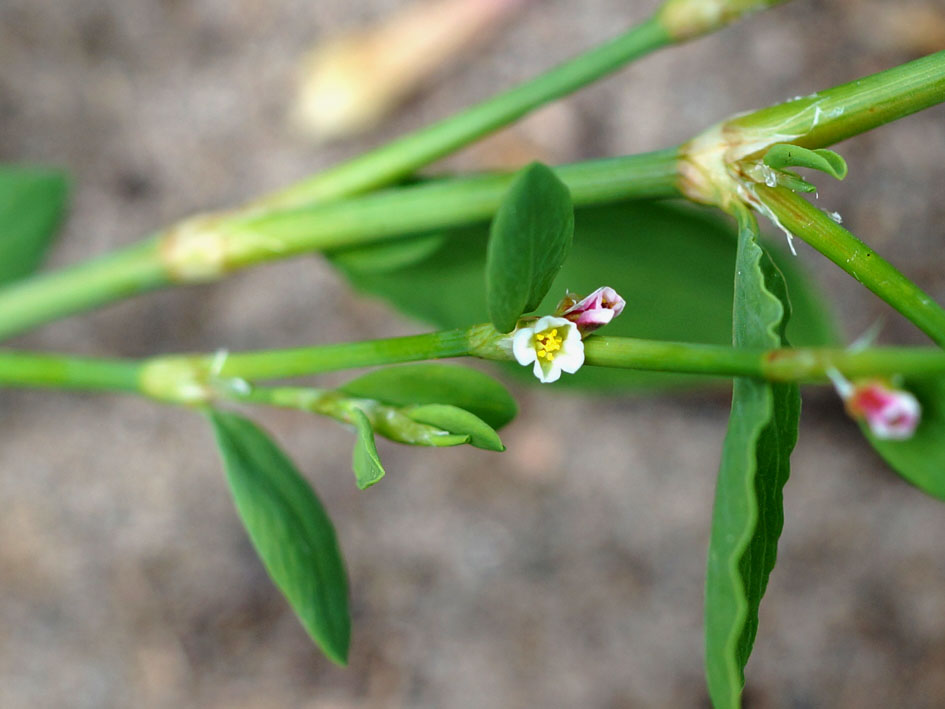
438 205
48 297
301 361
827 117
195 379
218 245
226 243
404 156
811 224
809 365
48 371
137 270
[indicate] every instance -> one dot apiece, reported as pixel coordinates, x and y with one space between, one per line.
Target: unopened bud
891 414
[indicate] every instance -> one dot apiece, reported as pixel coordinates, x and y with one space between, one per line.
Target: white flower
553 344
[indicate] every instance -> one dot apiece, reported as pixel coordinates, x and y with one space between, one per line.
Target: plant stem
437 205
811 224
218 245
43 298
802 365
195 379
829 116
49 371
279 364
404 156
136 270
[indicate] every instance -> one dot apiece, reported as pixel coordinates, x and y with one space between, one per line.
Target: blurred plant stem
350 83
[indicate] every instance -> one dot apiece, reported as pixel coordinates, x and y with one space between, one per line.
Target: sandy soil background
565 573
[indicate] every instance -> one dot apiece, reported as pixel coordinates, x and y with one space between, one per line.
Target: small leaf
456 420
920 459
365 460
417 384
32 203
785 155
748 514
529 241
795 182
388 255
674 264
289 529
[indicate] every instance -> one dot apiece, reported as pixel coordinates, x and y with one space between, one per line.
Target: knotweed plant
526 303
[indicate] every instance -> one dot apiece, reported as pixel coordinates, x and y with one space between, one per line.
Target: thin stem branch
404 156
211 247
296 362
811 224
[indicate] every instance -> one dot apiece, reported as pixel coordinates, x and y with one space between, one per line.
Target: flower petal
571 357
552 373
522 347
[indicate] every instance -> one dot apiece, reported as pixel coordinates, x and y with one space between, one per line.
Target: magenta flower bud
892 414
593 311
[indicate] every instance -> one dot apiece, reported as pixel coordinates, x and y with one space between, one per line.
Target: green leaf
795 182
289 529
32 204
389 255
748 514
457 420
920 459
529 242
417 384
785 155
674 264
365 461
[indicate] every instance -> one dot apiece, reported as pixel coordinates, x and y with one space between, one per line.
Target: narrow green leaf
748 514
457 420
795 182
529 242
32 204
417 384
289 529
365 461
674 264
785 155
920 459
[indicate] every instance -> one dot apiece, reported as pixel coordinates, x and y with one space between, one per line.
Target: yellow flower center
547 343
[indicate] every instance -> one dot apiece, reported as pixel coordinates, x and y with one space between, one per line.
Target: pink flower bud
593 311
892 414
